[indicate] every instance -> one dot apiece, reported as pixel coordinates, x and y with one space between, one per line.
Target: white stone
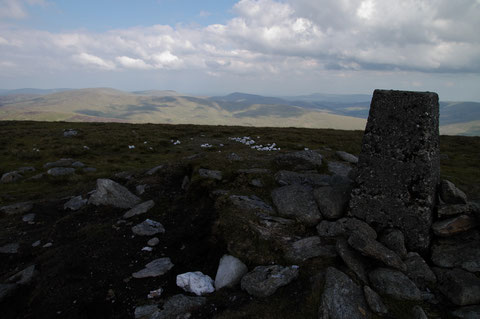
230 272
195 282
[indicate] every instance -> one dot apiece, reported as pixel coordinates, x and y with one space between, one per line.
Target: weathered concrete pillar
399 166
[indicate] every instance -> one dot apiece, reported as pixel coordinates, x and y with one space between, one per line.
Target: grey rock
345 227
178 307
468 312
26 169
36 243
307 248
89 170
450 194
10 177
297 201
284 178
454 225
418 313
61 171
297 161
394 240
148 228
110 193
185 183
64 162
339 168
251 203
263 281
347 157
395 284
76 203
332 201
342 298
153 242
372 248
459 286
29 218
399 166
139 209
374 301
70 133
195 282
211 174
140 189
11 248
256 182
154 268
17 209
154 170
144 312
23 277
78 164
461 251
230 271
47 245
452 210
256 171
352 259
7 290
418 270
234 157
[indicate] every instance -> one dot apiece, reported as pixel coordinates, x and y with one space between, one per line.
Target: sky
269 47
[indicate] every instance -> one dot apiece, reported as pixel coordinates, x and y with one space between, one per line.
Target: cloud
15 9
93 61
131 63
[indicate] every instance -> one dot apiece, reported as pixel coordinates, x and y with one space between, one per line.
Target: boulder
26 169
342 298
139 209
75 203
394 240
64 162
352 259
399 165
179 307
450 194
11 248
153 242
461 251
468 312
263 281
61 171
332 201
347 157
154 268
145 311
110 193
284 178
307 248
78 164
211 174
344 227
454 225
23 277
452 210
70 133
148 228
459 286
154 170
195 282
230 271
374 301
256 182
372 248
297 201
395 284
418 313
10 177
298 161
339 168
418 270
17 209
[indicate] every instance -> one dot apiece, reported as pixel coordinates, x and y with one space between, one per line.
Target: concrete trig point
399 166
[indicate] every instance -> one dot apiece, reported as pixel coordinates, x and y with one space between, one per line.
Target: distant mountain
155 106
30 91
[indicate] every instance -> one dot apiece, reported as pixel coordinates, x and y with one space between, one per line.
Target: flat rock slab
297 201
263 281
16 209
461 251
154 268
299 161
461 287
374 301
139 209
352 259
252 203
395 284
211 174
64 162
347 157
345 227
110 193
148 228
342 298
179 306
9 248
75 203
284 178
454 225
399 166
61 171
195 282
307 248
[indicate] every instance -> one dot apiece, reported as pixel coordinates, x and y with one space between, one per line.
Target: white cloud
92 60
15 9
131 63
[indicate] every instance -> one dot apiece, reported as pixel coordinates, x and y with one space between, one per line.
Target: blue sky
274 47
